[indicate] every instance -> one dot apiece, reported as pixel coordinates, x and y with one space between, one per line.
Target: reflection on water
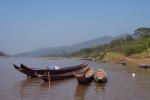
29 82
54 83
120 86
39 89
28 88
100 87
80 91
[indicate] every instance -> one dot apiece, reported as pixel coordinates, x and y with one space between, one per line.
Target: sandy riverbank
138 61
119 58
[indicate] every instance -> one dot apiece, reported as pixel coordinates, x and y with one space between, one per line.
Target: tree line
137 42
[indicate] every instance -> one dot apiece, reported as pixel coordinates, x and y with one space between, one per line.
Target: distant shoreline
118 59
52 58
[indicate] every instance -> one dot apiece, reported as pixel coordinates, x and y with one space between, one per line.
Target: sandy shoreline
129 60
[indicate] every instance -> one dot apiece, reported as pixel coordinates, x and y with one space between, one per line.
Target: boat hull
57 77
83 80
102 80
85 76
40 72
61 76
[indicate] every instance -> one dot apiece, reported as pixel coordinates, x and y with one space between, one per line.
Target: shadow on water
80 91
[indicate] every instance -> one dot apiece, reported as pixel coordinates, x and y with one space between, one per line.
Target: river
121 84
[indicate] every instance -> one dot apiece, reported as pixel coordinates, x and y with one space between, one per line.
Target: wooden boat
62 76
30 72
100 76
144 66
85 76
123 62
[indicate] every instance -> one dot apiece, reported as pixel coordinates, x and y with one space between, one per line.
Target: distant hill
2 53
134 45
64 50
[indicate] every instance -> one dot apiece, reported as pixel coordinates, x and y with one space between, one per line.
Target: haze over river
120 86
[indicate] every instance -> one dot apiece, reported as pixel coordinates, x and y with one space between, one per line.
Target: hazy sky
26 25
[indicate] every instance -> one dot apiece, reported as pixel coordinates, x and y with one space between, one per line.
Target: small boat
85 76
144 66
34 72
100 76
46 78
123 62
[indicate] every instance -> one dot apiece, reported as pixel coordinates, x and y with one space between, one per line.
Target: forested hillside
136 43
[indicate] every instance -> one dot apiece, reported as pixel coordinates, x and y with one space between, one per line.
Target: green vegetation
137 43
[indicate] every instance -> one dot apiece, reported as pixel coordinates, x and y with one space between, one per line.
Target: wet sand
129 60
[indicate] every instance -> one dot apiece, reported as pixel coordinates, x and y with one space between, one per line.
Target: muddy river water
121 84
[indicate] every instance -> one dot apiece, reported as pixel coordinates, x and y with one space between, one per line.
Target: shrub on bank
113 56
133 49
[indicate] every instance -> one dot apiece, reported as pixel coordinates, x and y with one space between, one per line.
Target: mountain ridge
65 50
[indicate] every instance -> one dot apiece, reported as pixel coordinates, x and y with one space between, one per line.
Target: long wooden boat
62 76
30 72
85 77
100 76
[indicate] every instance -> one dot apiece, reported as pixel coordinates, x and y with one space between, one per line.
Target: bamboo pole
49 80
